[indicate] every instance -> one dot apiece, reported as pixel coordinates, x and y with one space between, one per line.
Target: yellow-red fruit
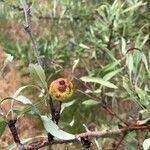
61 89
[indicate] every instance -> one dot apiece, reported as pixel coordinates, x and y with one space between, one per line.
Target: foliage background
88 38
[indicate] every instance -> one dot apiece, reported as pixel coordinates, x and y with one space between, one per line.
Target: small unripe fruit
61 89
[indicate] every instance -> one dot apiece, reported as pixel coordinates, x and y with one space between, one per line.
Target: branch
104 106
113 113
108 133
52 108
91 134
55 112
13 130
27 28
119 143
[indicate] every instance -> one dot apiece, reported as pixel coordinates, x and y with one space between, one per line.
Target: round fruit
61 89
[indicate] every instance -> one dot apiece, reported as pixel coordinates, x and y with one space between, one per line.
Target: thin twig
120 141
27 28
138 141
113 113
110 111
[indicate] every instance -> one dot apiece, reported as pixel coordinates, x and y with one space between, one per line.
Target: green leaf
97 91
9 59
19 90
1 112
17 110
20 98
52 128
143 122
141 93
134 7
128 141
2 126
110 67
75 64
146 38
126 85
145 62
27 86
23 99
90 102
111 55
144 113
146 144
99 81
38 75
102 8
84 46
64 105
111 74
12 3
129 63
123 46
28 109
110 94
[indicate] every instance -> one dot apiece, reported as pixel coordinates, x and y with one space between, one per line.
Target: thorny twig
27 28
